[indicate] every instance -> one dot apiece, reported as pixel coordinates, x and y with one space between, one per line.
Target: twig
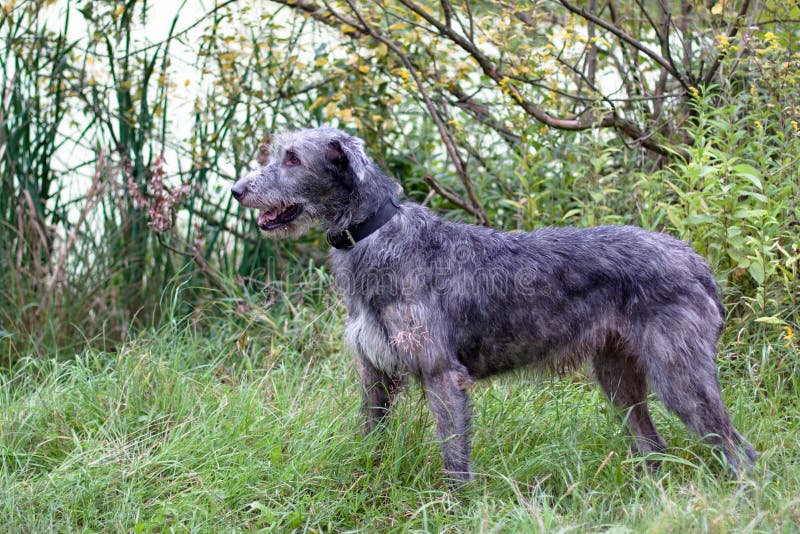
628 39
448 195
477 208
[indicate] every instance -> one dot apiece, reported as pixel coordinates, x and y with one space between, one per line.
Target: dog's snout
238 189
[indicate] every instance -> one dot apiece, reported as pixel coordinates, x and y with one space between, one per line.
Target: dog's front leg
446 392
377 391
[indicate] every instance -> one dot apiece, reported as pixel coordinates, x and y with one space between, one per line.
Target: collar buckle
347 238
342 240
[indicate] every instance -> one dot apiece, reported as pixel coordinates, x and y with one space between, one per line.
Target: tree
627 67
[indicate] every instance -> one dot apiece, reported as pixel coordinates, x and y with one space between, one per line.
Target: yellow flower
403 73
455 124
788 336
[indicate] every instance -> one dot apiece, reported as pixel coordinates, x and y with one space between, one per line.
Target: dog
450 303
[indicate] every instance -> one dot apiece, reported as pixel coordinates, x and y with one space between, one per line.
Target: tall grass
90 229
252 422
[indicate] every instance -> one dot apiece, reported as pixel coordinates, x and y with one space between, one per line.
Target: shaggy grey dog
450 303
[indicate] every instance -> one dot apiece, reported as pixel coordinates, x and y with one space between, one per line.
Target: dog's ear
347 156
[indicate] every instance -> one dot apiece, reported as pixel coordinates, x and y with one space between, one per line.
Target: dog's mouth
279 217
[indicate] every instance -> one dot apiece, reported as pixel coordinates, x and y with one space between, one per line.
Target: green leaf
707 170
571 213
756 270
750 214
512 203
750 173
770 320
295 519
758 196
276 455
700 218
734 231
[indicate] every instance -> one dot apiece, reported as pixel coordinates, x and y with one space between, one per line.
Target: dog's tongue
267 216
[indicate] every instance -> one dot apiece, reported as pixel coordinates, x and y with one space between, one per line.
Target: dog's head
313 176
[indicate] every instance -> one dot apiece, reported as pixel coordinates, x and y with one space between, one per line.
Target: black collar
348 238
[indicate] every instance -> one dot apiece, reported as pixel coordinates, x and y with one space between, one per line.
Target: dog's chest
369 339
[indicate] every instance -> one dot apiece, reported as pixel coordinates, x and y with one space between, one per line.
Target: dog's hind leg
624 382
693 394
684 375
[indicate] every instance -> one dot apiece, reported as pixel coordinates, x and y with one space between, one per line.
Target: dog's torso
497 301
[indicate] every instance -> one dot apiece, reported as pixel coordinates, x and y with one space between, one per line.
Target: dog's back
550 297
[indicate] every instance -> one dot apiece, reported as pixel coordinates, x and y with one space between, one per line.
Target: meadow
251 422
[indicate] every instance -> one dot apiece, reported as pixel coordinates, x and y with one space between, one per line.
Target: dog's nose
238 190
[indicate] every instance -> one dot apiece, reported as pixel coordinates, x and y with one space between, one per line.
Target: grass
250 421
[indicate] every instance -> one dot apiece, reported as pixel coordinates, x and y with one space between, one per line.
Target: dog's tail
712 290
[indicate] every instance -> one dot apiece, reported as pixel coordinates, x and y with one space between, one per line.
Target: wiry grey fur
450 302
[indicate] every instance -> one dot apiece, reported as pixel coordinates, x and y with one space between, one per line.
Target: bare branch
455 199
480 112
586 121
638 45
450 146
591 59
448 12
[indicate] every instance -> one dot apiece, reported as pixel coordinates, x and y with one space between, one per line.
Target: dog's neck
347 238
373 189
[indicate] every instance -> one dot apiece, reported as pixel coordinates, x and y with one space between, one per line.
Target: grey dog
449 302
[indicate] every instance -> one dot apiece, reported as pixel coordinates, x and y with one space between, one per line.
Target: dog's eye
291 159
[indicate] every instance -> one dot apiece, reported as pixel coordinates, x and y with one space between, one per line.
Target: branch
443 132
479 112
587 121
638 45
590 120
464 205
328 18
712 71
591 59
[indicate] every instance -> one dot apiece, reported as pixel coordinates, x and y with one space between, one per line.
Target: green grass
250 421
